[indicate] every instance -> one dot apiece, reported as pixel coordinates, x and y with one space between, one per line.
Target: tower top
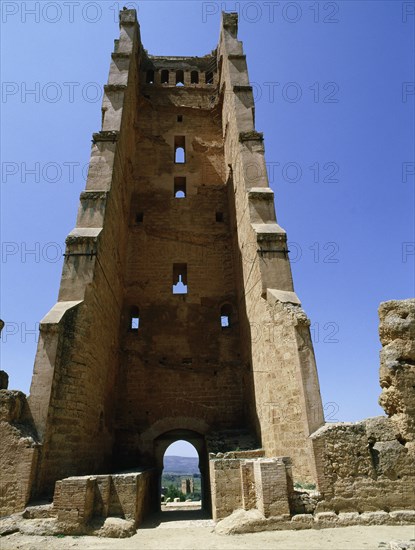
230 22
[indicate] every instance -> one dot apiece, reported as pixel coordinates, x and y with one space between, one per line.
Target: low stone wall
247 480
78 500
242 521
19 449
364 467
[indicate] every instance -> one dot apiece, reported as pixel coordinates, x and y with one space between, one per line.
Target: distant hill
181 464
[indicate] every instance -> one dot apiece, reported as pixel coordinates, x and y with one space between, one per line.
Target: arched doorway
181 478
197 441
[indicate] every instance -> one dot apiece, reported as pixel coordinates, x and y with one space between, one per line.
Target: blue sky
334 87
181 448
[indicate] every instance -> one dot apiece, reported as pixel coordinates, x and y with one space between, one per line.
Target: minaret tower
176 316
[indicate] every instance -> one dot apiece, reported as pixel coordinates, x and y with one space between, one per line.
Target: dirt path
187 531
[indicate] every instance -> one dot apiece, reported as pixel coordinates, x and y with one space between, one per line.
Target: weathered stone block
302 521
403 516
374 518
326 519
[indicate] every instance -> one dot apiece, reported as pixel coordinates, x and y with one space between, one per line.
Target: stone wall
397 366
80 500
18 452
246 480
370 465
225 486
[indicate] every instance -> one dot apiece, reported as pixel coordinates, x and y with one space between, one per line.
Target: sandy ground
186 531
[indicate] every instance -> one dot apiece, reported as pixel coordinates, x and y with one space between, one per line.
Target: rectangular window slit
224 321
225 315
134 319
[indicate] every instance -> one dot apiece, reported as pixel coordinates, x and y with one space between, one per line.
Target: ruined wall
78 500
18 452
370 465
247 480
286 406
397 366
71 396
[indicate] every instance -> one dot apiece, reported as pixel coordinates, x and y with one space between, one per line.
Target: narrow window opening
179 156
179 78
224 321
179 150
225 316
194 77
134 319
150 77
209 78
180 188
135 323
164 76
139 217
219 217
179 278
179 118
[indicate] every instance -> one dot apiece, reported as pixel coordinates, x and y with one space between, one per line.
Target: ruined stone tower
177 319
176 316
